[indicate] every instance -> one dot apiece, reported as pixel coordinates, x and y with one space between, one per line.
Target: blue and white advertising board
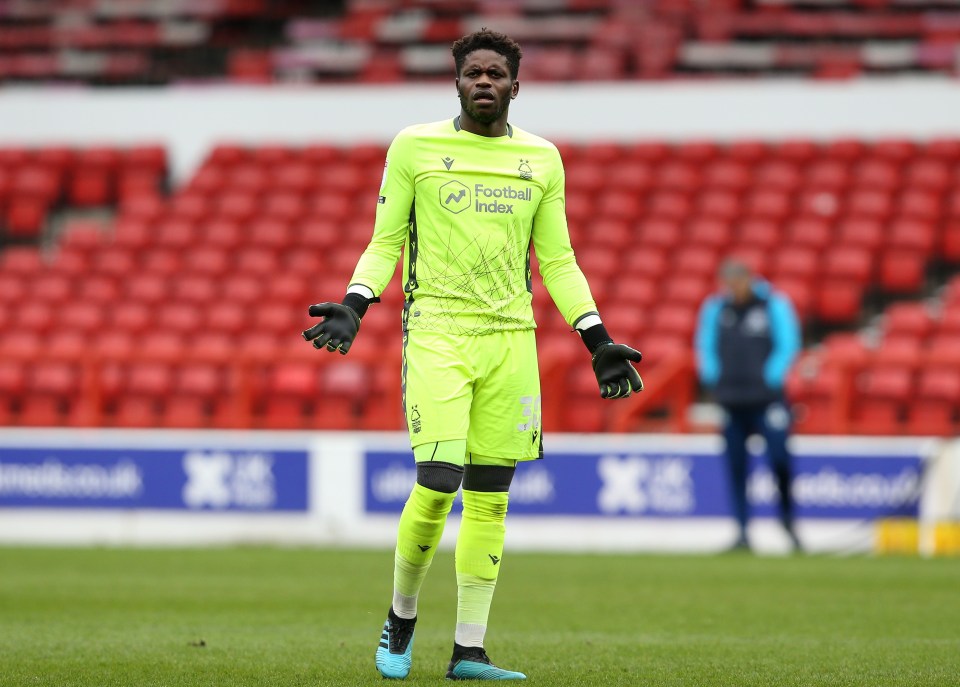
192 479
679 484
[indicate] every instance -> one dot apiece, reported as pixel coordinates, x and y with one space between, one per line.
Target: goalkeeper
465 198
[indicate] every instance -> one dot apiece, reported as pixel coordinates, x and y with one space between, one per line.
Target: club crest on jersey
525 171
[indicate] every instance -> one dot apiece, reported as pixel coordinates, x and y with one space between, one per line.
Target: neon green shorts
484 389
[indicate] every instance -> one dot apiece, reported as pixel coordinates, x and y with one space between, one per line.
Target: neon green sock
421 526
479 551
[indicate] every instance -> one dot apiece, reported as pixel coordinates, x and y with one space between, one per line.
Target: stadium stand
259 41
127 304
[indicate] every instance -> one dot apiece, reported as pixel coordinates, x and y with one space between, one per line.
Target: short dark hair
485 39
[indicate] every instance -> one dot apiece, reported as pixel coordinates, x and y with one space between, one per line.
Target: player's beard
483 117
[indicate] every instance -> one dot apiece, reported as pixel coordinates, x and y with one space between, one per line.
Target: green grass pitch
285 617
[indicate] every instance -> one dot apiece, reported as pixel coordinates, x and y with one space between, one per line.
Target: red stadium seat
673 320
659 232
628 175
849 263
222 233
132 317
920 205
212 262
54 289
197 389
291 390
49 388
933 409
759 233
242 289
143 387
669 205
695 261
176 234
33 316
132 233
912 235
795 262
811 232
902 271
911 319
284 206
228 319
844 149
838 301
687 291
708 232
883 395
91 187
621 205
85 318
25 218
878 175
727 175
189 207
778 175
869 204
801 294
861 233
827 175
611 232
928 175
163 262
680 176
270 233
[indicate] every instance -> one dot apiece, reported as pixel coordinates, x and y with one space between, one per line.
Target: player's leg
504 429
439 473
736 430
479 554
437 394
776 431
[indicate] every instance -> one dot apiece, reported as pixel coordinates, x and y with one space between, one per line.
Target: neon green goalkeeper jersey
466 209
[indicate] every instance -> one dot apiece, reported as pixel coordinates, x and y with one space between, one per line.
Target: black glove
611 362
338 329
616 376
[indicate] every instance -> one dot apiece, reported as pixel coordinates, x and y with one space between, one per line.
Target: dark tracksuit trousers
771 421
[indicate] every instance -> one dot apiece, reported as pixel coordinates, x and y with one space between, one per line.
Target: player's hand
338 329
616 376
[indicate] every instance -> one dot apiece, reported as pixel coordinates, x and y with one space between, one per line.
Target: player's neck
496 128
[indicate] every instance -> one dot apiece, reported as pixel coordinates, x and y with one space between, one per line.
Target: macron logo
455 197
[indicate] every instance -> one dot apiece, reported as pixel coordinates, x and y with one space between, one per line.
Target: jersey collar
456 126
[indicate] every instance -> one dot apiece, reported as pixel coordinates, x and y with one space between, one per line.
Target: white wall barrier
591 493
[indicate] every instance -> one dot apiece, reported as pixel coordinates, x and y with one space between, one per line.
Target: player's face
485 86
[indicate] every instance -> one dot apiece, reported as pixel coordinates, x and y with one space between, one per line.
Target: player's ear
515 89
456 82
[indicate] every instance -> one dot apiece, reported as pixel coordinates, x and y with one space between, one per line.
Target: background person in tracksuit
747 337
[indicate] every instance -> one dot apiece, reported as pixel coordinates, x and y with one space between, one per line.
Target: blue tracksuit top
745 351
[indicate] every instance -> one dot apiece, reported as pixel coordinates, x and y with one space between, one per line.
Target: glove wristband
357 303
594 337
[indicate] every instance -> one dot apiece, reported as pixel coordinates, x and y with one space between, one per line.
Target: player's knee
488 478
485 506
440 476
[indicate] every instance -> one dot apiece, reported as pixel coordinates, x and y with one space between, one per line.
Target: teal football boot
472 663
395 653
